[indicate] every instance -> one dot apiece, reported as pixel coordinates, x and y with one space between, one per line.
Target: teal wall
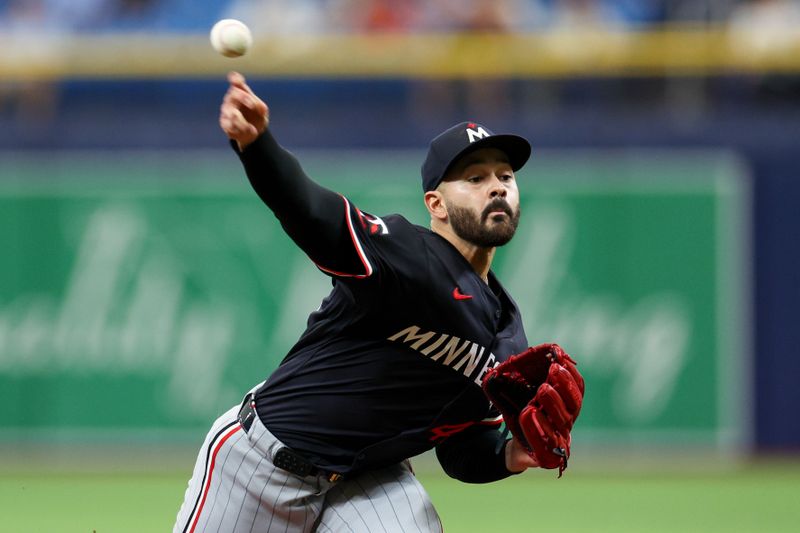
142 294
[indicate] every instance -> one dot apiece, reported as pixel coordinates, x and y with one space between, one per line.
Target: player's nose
497 188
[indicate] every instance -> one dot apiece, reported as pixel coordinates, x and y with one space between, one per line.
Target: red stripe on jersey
225 437
491 421
357 244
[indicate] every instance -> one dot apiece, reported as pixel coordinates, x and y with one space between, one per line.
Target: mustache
498 204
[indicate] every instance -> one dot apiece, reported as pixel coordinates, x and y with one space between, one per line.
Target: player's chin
499 234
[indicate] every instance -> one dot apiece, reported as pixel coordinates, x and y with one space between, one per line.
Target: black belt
285 458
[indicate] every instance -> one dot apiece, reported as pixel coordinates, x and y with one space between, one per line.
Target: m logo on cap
452 144
475 134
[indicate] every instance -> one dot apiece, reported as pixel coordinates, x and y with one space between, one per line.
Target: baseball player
390 365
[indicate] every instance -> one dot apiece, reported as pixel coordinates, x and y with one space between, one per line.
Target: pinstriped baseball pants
235 488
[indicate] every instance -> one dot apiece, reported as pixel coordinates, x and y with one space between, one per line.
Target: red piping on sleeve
359 249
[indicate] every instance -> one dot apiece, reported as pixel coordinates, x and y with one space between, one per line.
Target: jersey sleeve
360 228
475 455
323 223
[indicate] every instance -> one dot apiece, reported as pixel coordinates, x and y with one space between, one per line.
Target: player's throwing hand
243 116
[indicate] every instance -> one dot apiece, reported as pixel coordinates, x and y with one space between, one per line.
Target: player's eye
474 179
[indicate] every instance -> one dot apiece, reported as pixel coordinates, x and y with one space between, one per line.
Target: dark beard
467 225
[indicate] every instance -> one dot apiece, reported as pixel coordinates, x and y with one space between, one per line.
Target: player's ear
434 201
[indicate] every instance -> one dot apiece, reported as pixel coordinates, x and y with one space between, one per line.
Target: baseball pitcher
417 346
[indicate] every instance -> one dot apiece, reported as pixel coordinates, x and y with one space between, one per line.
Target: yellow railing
693 52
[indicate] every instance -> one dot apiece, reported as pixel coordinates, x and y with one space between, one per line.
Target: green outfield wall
142 293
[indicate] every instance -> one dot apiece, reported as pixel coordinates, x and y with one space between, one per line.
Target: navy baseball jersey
391 363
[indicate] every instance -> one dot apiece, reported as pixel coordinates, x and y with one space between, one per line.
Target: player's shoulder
409 249
413 233
404 225
395 237
394 226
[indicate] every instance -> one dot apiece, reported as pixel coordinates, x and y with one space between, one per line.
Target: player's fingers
255 107
229 127
248 103
239 97
233 114
235 124
237 80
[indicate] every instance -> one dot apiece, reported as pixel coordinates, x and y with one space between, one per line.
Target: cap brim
517 148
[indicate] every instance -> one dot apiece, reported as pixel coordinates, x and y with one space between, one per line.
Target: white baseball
231 37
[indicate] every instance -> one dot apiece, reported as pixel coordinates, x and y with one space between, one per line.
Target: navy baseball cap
452 144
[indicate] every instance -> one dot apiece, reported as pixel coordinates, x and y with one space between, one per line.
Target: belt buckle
333 477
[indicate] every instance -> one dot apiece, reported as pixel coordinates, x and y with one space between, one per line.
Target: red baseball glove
539 392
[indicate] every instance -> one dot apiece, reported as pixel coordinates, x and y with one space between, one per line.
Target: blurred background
144 288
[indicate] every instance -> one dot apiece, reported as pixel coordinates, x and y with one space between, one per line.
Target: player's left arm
480 454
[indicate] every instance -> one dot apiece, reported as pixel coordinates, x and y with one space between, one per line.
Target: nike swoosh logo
458 296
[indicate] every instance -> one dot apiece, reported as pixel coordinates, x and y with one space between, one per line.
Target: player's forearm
311 215
471 457
281 183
